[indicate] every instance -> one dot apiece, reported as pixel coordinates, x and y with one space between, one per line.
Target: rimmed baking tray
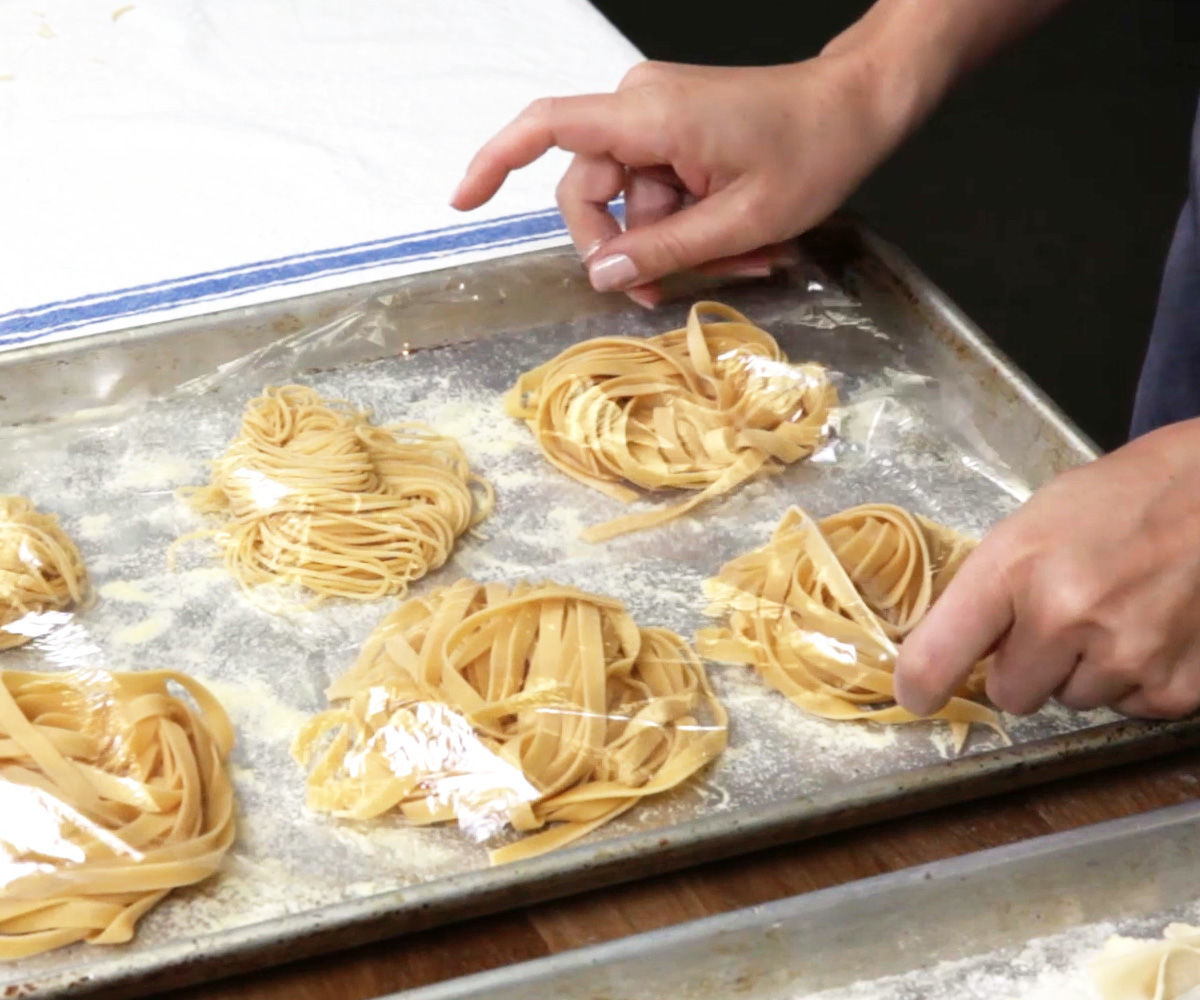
102 430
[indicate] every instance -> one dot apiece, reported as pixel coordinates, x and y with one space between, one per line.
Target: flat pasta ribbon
113 793
314 494
1136 969
40 568
818 611
536 706
704 408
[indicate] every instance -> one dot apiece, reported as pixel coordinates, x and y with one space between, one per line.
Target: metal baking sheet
103 431
1019 921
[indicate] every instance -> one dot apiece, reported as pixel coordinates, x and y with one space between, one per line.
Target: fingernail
610 273
591 251
754 271
647 300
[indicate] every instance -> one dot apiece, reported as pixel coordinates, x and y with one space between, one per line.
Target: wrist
895 82
916 50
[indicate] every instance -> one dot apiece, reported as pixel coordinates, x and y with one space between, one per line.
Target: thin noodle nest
539 707
705 407
819 611
114 793
40 568
314 494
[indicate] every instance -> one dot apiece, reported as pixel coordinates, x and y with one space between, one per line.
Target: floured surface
903 440
1054 967
1050 968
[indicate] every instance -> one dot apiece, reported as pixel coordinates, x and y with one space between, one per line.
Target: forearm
915 50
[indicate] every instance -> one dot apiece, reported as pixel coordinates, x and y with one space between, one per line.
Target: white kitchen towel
169 158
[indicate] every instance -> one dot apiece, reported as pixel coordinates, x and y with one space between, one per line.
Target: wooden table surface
458 949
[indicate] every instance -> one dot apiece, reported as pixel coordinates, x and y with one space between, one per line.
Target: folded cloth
168 158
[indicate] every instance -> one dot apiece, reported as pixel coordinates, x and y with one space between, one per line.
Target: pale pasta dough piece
539 707
818 611
113 792
313 493
40 568
704 408
1136 969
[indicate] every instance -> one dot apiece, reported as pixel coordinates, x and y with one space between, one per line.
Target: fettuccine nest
820 610
40 569
312 493
704 408
1166 968
113 793
538 707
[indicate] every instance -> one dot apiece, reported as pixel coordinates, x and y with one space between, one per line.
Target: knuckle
541 109
1015 545
656 110
1067 600
1135 659
640 74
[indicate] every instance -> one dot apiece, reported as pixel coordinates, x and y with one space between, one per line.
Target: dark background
1041 197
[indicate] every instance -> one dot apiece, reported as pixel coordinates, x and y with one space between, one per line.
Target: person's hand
718 166
1089 594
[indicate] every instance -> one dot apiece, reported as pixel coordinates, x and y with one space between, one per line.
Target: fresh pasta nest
536 706
314 494
114 792
40 568
1166 968
704 408
819 610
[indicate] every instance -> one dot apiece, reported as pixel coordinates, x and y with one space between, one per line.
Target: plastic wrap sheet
904 435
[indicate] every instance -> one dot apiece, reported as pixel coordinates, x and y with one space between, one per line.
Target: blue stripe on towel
34 323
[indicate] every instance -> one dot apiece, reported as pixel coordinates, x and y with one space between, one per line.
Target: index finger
592 124
966 622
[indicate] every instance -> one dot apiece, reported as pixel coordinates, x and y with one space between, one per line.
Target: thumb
726 223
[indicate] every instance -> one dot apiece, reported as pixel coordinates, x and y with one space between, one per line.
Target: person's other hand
719 166
1089 594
